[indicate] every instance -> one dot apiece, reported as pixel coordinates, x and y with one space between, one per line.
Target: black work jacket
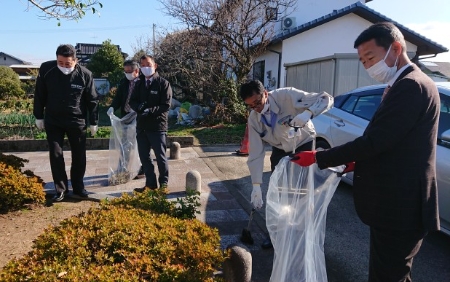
158 97
65 100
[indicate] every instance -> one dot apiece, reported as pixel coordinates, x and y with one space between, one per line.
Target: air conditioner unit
288 23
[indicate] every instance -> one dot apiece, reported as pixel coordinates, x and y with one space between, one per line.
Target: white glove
301 119
94 129
110 111
256 197
40 124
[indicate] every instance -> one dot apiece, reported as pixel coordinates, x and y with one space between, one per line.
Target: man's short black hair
249 88
384 33
143 57
131 63
66 50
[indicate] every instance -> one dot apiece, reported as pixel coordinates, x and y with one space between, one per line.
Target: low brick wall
91 144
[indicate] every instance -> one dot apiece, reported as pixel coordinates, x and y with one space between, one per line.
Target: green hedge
18 189
124 240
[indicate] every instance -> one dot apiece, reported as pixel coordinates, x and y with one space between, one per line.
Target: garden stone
194 181
238 267
195 111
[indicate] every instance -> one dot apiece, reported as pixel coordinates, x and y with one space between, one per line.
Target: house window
258 71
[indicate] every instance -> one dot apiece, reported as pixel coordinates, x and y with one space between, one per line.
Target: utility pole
154 42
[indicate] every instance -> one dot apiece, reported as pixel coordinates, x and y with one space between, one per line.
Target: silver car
350 116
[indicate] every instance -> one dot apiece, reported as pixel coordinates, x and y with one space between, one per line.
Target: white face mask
130 76
381 71
147 71
66 71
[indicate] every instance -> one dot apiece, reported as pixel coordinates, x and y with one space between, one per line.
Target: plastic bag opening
297 202
124 160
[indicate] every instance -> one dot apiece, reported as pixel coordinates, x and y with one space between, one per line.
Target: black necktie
147 83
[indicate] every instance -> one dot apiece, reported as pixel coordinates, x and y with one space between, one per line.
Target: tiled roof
424 45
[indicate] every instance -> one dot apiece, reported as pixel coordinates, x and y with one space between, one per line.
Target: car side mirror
445 136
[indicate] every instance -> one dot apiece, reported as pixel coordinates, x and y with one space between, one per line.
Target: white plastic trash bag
124 160
297 202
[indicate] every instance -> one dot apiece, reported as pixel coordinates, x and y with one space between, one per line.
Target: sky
26 35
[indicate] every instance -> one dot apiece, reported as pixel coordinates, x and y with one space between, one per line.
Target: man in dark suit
126 85
394 161
122 98
151 100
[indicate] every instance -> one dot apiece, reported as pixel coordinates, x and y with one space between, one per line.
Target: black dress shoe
140 190
267 244
81 193
59 196
140 173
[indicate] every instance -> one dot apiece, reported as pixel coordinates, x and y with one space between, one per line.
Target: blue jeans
156 141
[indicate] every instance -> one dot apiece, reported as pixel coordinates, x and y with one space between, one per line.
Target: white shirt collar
398 73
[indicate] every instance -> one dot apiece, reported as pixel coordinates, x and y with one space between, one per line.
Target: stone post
194 181
175 151
238 267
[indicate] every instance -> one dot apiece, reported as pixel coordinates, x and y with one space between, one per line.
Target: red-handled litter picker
246 236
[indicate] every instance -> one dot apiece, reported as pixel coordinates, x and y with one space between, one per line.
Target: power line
60 30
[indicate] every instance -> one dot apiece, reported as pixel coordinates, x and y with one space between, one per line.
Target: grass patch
218 134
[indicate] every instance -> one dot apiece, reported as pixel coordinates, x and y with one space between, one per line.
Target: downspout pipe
279 66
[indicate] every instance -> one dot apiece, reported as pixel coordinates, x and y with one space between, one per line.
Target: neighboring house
25 72
21 67
7 60
313 49
86 50
438 71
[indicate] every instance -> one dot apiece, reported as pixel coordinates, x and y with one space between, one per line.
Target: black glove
142 106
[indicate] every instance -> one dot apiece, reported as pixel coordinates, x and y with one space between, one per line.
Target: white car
350 116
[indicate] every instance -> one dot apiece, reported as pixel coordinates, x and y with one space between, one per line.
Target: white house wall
308 10
6 60
336 36
271 60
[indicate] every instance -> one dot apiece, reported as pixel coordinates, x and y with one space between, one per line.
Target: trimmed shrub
115 243
9 83
156 202
18 189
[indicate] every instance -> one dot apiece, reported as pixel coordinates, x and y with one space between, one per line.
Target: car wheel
322 145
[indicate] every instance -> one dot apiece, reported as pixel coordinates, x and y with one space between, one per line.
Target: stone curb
91 144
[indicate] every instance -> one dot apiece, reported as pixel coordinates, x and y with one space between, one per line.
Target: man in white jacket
272 120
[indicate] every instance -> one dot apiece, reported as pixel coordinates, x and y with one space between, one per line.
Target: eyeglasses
257 103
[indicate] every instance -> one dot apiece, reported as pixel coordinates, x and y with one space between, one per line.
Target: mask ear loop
387 53
396 60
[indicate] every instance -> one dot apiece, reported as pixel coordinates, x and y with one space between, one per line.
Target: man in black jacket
395 189
64 98
151 100
126 85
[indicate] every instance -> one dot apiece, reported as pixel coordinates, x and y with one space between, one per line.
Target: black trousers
156 141
77 141
392 253
278 154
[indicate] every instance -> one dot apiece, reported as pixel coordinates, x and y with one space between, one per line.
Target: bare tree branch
65 9
240 29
